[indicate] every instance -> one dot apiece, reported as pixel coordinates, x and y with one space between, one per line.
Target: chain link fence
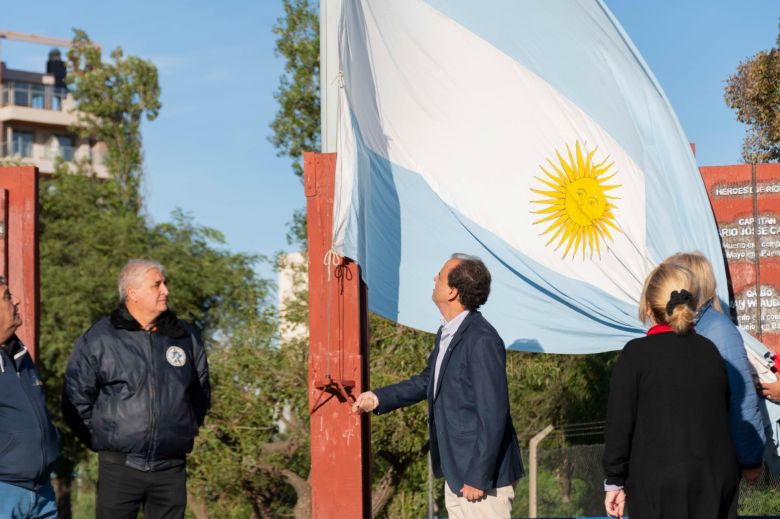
570 484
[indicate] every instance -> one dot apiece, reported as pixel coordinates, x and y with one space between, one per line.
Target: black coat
667 438
472 437
142 393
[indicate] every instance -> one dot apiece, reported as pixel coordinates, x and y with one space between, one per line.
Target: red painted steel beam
19 255
338 360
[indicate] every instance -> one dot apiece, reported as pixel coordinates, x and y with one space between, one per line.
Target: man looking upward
473 442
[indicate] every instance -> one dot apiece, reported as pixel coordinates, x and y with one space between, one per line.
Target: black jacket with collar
472 438
29 442
138 392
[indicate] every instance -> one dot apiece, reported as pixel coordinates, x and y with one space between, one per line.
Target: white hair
132 274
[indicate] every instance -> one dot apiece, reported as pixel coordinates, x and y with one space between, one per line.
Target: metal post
330 17
756 252
532 446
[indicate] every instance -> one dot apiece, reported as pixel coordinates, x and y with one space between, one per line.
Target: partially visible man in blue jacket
29 443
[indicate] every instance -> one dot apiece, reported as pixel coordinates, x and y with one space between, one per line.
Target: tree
754 92
113 99
296 127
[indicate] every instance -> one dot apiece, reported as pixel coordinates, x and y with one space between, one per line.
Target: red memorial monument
19 245
338 360
746 201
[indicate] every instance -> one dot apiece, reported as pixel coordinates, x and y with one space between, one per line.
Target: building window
22 143
21 94
37 97
56 99
65 146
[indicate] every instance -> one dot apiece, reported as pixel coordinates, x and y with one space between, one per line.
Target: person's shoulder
712 320
189 329
645 341
717 327
480 331
478 324
637 345
100 328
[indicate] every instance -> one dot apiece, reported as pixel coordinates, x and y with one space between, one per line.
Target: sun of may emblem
577 208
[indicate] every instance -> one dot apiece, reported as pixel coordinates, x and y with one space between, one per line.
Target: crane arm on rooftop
33 38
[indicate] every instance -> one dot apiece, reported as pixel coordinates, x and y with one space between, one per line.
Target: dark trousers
122 491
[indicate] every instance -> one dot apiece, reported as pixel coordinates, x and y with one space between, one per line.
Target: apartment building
36 114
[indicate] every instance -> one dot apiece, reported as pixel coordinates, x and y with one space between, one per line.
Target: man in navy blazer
473 443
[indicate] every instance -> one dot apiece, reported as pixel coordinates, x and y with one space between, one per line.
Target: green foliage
548 495
759 499
296 126
549 389
253 449
399 440
227 465
113 98
754 92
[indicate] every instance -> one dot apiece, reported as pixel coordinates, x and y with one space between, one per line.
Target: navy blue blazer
472 437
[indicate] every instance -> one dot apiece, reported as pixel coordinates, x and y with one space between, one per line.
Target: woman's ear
650 315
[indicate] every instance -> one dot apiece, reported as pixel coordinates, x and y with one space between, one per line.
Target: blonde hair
657 294
703 277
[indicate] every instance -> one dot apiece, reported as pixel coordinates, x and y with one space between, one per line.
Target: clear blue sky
208 151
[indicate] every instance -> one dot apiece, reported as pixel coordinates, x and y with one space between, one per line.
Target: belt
116 458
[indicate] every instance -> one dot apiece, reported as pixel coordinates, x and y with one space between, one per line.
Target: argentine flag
531 134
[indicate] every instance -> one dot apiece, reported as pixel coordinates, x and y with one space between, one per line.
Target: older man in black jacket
473 441
136 391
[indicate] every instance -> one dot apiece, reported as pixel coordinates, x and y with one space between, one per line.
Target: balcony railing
66 152
33 95
25 150
18 149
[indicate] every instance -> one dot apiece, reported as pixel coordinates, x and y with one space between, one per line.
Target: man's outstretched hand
365 402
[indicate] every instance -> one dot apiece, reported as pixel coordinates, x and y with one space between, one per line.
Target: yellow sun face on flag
578 210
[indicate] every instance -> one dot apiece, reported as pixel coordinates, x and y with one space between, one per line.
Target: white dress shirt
447 333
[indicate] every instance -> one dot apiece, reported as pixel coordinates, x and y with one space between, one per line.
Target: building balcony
45 156
35 103
32 95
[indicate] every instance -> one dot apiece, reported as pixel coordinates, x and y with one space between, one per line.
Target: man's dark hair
471 278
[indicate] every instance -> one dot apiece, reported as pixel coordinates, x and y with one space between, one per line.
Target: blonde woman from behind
668 452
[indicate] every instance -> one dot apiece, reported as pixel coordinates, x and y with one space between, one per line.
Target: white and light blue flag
531 134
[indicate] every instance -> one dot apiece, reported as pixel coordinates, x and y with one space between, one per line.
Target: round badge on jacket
175 356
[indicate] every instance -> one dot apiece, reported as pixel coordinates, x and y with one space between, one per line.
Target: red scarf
663 328
659 328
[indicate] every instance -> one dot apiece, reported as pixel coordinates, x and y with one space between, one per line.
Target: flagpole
330 15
